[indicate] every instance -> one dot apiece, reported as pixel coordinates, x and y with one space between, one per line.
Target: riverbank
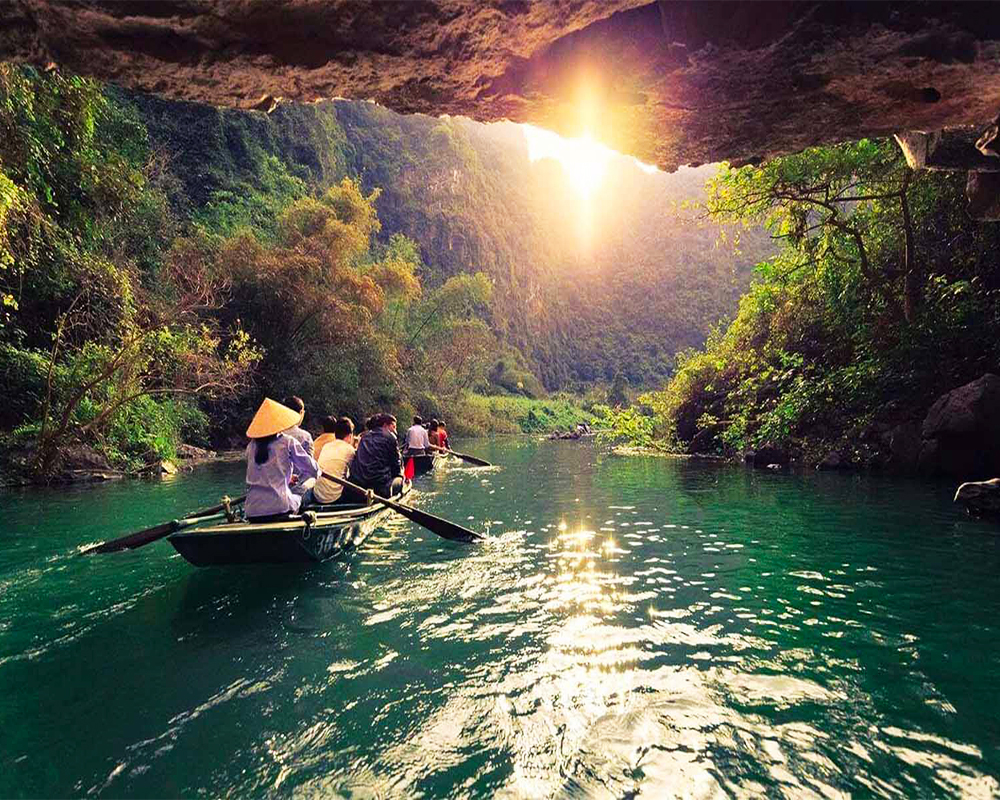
81 464
633 450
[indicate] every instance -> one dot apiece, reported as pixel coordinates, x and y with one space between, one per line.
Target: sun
584 161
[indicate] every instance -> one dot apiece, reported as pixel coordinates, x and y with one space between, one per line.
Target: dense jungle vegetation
884 295
163 265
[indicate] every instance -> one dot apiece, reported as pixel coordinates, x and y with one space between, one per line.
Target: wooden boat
322 533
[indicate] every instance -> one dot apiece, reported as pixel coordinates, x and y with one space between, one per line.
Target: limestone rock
972 408
167 467
982 190
186 451
670 82
766 456
989 143
83 457
980 498
835 459
962 430
953 149
904 446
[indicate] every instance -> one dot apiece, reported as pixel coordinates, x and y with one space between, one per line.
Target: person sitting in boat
433 436
443 435
303 437
335 460
376 464
329 434
273 457
300 484
417 442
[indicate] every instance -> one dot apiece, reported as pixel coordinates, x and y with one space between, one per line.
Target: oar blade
472 459
442 527
133 540
150 535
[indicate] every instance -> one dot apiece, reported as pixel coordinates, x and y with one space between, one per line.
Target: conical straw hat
272 418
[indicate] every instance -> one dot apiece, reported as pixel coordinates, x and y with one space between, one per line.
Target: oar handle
149 535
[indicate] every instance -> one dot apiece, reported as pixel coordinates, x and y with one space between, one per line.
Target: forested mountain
584 288
163 265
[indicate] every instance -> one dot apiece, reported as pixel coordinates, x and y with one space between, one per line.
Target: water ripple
632 628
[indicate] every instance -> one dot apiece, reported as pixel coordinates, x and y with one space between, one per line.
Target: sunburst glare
584 160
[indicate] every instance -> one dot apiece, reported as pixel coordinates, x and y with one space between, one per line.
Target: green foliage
256 206
618 393
629 425
98 335
476 415
864 317
359 258
149 430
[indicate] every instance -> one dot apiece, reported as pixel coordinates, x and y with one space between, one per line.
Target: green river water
634 627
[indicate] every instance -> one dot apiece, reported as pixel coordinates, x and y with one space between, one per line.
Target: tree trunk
913 279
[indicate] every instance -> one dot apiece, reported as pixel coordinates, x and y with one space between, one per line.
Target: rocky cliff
670 82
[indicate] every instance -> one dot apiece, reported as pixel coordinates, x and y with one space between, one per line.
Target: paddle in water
471 459
150 535
442 527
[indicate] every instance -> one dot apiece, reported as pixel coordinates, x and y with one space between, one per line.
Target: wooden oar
149 535
442 527
471 459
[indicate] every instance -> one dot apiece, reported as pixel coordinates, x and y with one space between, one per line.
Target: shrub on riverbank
884 296
478 415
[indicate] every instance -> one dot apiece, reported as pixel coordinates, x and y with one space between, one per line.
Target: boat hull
423 464
293 541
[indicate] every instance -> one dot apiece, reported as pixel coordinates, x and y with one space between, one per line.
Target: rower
301 484
417 442
376 464
329 434
302 436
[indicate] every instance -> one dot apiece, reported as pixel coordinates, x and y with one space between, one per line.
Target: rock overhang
669 82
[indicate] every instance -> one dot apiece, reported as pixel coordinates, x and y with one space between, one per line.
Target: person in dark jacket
377 465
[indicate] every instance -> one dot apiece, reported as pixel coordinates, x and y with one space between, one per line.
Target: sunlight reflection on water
617 636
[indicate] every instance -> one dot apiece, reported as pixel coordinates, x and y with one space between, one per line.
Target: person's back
416 438
329 434
433 437
376 463
302 436
335 459
272 457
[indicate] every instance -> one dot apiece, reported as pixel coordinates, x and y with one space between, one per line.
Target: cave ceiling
669 82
